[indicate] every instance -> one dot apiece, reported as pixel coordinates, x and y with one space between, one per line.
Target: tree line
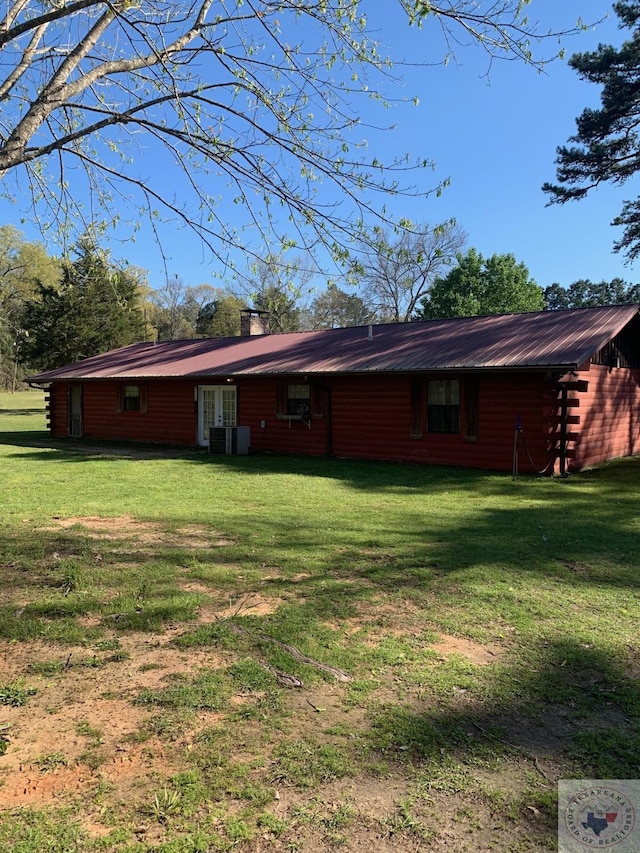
55 311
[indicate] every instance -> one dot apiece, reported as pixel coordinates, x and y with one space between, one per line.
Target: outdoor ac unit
229 440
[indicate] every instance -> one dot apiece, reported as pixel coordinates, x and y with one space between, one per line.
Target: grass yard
270 653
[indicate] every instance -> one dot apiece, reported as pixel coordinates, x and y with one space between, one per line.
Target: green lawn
462 641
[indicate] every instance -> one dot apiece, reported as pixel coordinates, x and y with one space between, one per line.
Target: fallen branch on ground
519 749
339 674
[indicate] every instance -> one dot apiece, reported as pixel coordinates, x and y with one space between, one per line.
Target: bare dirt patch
634 663
389 619
144 532
481 655
80 728
82 733
255 605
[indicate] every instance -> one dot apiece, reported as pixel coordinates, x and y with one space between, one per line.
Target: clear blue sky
494 138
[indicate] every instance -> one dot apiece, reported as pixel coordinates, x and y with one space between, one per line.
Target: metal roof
545 339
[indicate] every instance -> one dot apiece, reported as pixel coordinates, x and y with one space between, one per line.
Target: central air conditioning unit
232 441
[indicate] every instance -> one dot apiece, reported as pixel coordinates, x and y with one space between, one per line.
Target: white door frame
217 406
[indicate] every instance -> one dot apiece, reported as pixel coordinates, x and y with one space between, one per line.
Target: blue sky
494 138
497 139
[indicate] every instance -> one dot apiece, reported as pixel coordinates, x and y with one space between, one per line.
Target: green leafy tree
281 306
337 309
588 294
220 317
96 307
253 103
395 271
495 285
22 265
606 146
556 297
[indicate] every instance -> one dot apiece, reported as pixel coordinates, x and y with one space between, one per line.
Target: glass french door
216 407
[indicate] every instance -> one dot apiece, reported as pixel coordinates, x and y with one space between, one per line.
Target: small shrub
50 761
15 695
165 803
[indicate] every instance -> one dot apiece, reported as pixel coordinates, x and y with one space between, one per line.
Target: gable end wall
609 416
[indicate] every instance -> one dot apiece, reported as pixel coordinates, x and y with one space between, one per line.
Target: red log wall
369 417
171 417
364 416
609 413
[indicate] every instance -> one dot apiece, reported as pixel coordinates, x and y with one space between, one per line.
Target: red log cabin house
447 392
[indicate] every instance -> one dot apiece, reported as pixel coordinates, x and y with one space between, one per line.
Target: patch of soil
255 605
126 527
390 620
86 711
481 655
33 787
82 731
81 728
634 662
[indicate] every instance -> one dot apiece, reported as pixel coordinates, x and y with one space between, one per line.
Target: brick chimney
253 322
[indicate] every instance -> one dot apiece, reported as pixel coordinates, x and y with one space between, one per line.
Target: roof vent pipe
370 335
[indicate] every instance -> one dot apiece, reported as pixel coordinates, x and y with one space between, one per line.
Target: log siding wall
371 417
171 416
609 415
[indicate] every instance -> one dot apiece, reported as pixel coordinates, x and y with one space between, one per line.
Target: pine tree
588 294
96 308
607 142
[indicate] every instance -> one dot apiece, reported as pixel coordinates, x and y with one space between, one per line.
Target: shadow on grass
565 706
34 410
359 474
27 438
571 537
576 712
53 577
614 479
43 448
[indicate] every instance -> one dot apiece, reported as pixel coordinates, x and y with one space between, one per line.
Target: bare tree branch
397 270
257 103
24 63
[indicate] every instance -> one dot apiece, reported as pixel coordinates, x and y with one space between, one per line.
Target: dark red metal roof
545 339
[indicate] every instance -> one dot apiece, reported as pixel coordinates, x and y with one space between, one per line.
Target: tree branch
24 63
229 97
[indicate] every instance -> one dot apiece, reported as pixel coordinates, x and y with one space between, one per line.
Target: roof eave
554 367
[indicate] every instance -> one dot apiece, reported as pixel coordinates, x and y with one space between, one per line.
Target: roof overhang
201 377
